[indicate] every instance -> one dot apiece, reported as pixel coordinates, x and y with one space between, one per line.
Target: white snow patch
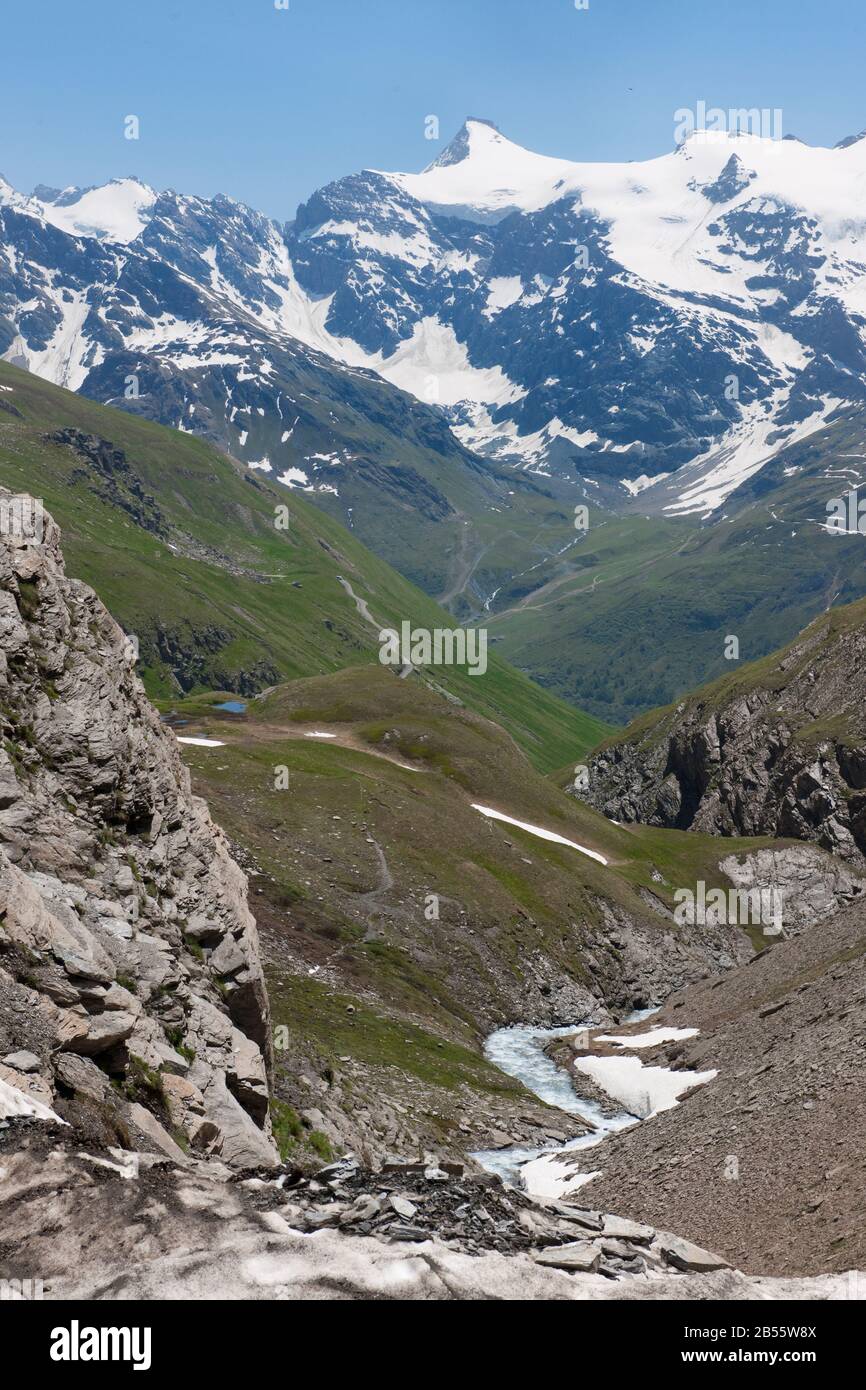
416 248
502 291
294 476
644 1091
14 1102
635 485
650 1039
434 365
496 178
742 452
202 742
504 440
552 1176
62 361
539 831
118 211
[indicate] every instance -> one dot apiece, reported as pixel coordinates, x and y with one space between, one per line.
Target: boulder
22 1061
156 1133
31 1083
236 1139
29 923
148 1041
402 1206
103 1032
580 1256
682 1254
81 1075
618 1228
228 958
186 1107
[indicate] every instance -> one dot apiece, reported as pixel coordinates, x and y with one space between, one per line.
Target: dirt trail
364 610
335 736
386 878
466 562
360 603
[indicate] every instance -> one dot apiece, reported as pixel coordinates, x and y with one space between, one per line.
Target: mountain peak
45 193
849 140
114 211
474 131
484 176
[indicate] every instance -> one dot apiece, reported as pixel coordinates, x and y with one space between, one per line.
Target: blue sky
236 96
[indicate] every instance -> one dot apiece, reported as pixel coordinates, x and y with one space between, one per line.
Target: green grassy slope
598 625
389 466
218 597
645 616
404 758
372 821
812 648
379 817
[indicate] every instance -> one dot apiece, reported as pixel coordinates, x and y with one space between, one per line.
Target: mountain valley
526 962
454 363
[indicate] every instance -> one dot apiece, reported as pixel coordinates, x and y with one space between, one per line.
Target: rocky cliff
778 748
132 1000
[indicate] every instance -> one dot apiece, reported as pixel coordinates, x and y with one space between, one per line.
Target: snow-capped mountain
187 310
690 312
651 332
117 211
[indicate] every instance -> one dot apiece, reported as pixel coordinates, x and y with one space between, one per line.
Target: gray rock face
22 1061
782 753
106 857
810 885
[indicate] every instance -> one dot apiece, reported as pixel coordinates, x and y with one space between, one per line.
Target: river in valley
519 1051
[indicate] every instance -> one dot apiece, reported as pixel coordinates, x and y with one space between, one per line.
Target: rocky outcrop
130 976
779 749
632 965
111 477
809 886
122 1225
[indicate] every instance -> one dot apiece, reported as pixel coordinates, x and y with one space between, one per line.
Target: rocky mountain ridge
616 322
450 362
520 299
133 998
191 323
